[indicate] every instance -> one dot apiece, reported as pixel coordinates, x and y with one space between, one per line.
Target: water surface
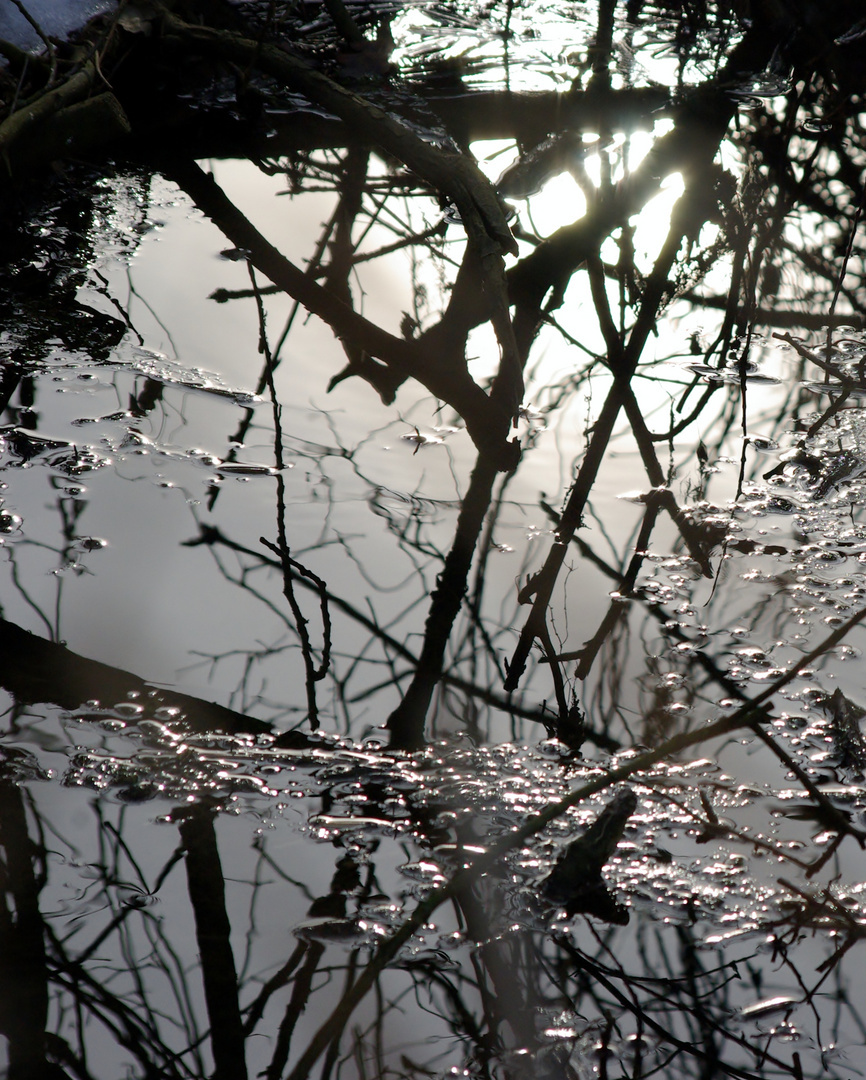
266 807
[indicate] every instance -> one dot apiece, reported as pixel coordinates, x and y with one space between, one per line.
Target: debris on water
781 1003
156 366
237 468
419 439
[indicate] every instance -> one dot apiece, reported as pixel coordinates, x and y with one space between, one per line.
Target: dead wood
446 169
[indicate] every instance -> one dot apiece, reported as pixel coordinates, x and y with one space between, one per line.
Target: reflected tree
760 122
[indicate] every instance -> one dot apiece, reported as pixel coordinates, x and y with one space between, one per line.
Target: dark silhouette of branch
34 670
449 171
624 366
213 933
748 715
443 374
406 722
23 966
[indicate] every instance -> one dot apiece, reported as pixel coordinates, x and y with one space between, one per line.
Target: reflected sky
226 527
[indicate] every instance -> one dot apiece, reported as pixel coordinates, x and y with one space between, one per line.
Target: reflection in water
384 537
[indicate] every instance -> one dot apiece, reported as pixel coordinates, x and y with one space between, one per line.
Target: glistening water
364 717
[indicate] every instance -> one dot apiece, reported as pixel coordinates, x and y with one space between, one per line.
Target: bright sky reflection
561 200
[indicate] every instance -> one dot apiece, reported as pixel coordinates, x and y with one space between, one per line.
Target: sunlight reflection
598 163
560 202
653 222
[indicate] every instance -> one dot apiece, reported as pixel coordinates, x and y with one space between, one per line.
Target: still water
266 808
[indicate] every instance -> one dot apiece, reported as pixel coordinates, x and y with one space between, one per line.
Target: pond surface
430 650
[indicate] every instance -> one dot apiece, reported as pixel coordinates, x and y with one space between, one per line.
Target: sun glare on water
562 197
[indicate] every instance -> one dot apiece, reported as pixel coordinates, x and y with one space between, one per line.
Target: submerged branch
35 670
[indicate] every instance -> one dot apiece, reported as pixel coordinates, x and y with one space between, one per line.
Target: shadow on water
499 717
